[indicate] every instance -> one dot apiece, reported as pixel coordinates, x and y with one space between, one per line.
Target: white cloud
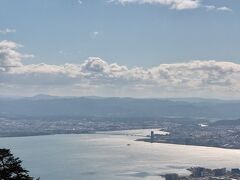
223 8
9 56
94 34
210 7
7 30
173 4
193 78
80 2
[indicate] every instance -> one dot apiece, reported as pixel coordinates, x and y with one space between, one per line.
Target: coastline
119 133
176 143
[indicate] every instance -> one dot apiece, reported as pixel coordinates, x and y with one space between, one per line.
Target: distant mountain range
226 123
45 105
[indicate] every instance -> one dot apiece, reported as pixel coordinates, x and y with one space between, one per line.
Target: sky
134 48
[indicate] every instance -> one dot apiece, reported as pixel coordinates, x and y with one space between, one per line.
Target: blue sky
60 31
161 48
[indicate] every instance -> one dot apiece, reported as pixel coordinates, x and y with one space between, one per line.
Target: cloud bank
97 77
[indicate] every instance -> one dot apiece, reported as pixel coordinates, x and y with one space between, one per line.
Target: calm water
107 156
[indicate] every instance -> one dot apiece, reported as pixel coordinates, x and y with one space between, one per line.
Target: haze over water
107 156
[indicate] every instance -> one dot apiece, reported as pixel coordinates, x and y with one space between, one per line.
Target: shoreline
107 132
102 132
166 142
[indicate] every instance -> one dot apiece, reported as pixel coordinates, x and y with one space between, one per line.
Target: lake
111 156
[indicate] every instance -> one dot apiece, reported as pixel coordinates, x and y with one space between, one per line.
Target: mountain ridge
119 107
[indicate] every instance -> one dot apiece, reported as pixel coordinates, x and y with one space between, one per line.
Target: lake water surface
107 156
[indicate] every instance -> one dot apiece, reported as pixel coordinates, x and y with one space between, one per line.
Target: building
219 172
171 177
198 172
235 171
152 136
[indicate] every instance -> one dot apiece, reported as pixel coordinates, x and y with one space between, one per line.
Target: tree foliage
11 168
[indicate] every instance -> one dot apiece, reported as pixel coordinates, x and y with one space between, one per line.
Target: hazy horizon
160 98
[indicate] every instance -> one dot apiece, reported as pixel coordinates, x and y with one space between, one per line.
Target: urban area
201 173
